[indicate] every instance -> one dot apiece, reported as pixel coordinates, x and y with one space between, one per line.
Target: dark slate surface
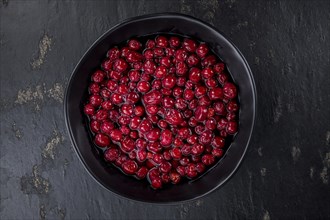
286 171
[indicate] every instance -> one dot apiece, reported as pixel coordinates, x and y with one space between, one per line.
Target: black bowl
110 177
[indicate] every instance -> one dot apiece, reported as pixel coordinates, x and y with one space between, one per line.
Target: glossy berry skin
162 109
102 140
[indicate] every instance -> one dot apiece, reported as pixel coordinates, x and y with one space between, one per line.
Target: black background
285 173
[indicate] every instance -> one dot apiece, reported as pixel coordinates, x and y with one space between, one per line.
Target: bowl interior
112 178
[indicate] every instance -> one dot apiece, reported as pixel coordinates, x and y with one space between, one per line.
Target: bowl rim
95 43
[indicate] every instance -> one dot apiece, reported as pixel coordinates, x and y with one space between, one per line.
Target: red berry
111 154
102 140
129 167
134 44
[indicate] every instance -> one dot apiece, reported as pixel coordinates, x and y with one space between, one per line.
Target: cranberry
124 52
219 67
154 147
211 83
166 138
95 126
181 81
200 167
189 85
168 102
141 143
183 133
116 135
193 104
181 68
192 60
152 97
231 127
107 65
134 44
101 115
95 100
197 149
101 140
106 127
201 113
200 91
113 53
175 177
181 55
130 167
149 66
207 73
186 150
204 101
156 183
141 173
189 45
211 124
150 44
107 105
176 153
181 170
195 75
156 84
154 119
157 158
161 41
132 97
217 152
112 85
219 108
174 41
162 124
199 129
169 82
208 159
138 110
94 88
229 90
111 154
89 109
202 50
120 65
98 76
143 86
165 61
134 56
153 135
215 93
218 142
127 144
173 117
209 61
206 137
191 171
134 75
184 161
193 122
152 109
158 52
123 120
232 106
116 98
165 178
145 126
134 134
160 72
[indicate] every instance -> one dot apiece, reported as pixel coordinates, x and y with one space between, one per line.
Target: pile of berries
162 109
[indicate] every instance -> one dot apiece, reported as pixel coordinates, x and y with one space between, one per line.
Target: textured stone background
286 171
